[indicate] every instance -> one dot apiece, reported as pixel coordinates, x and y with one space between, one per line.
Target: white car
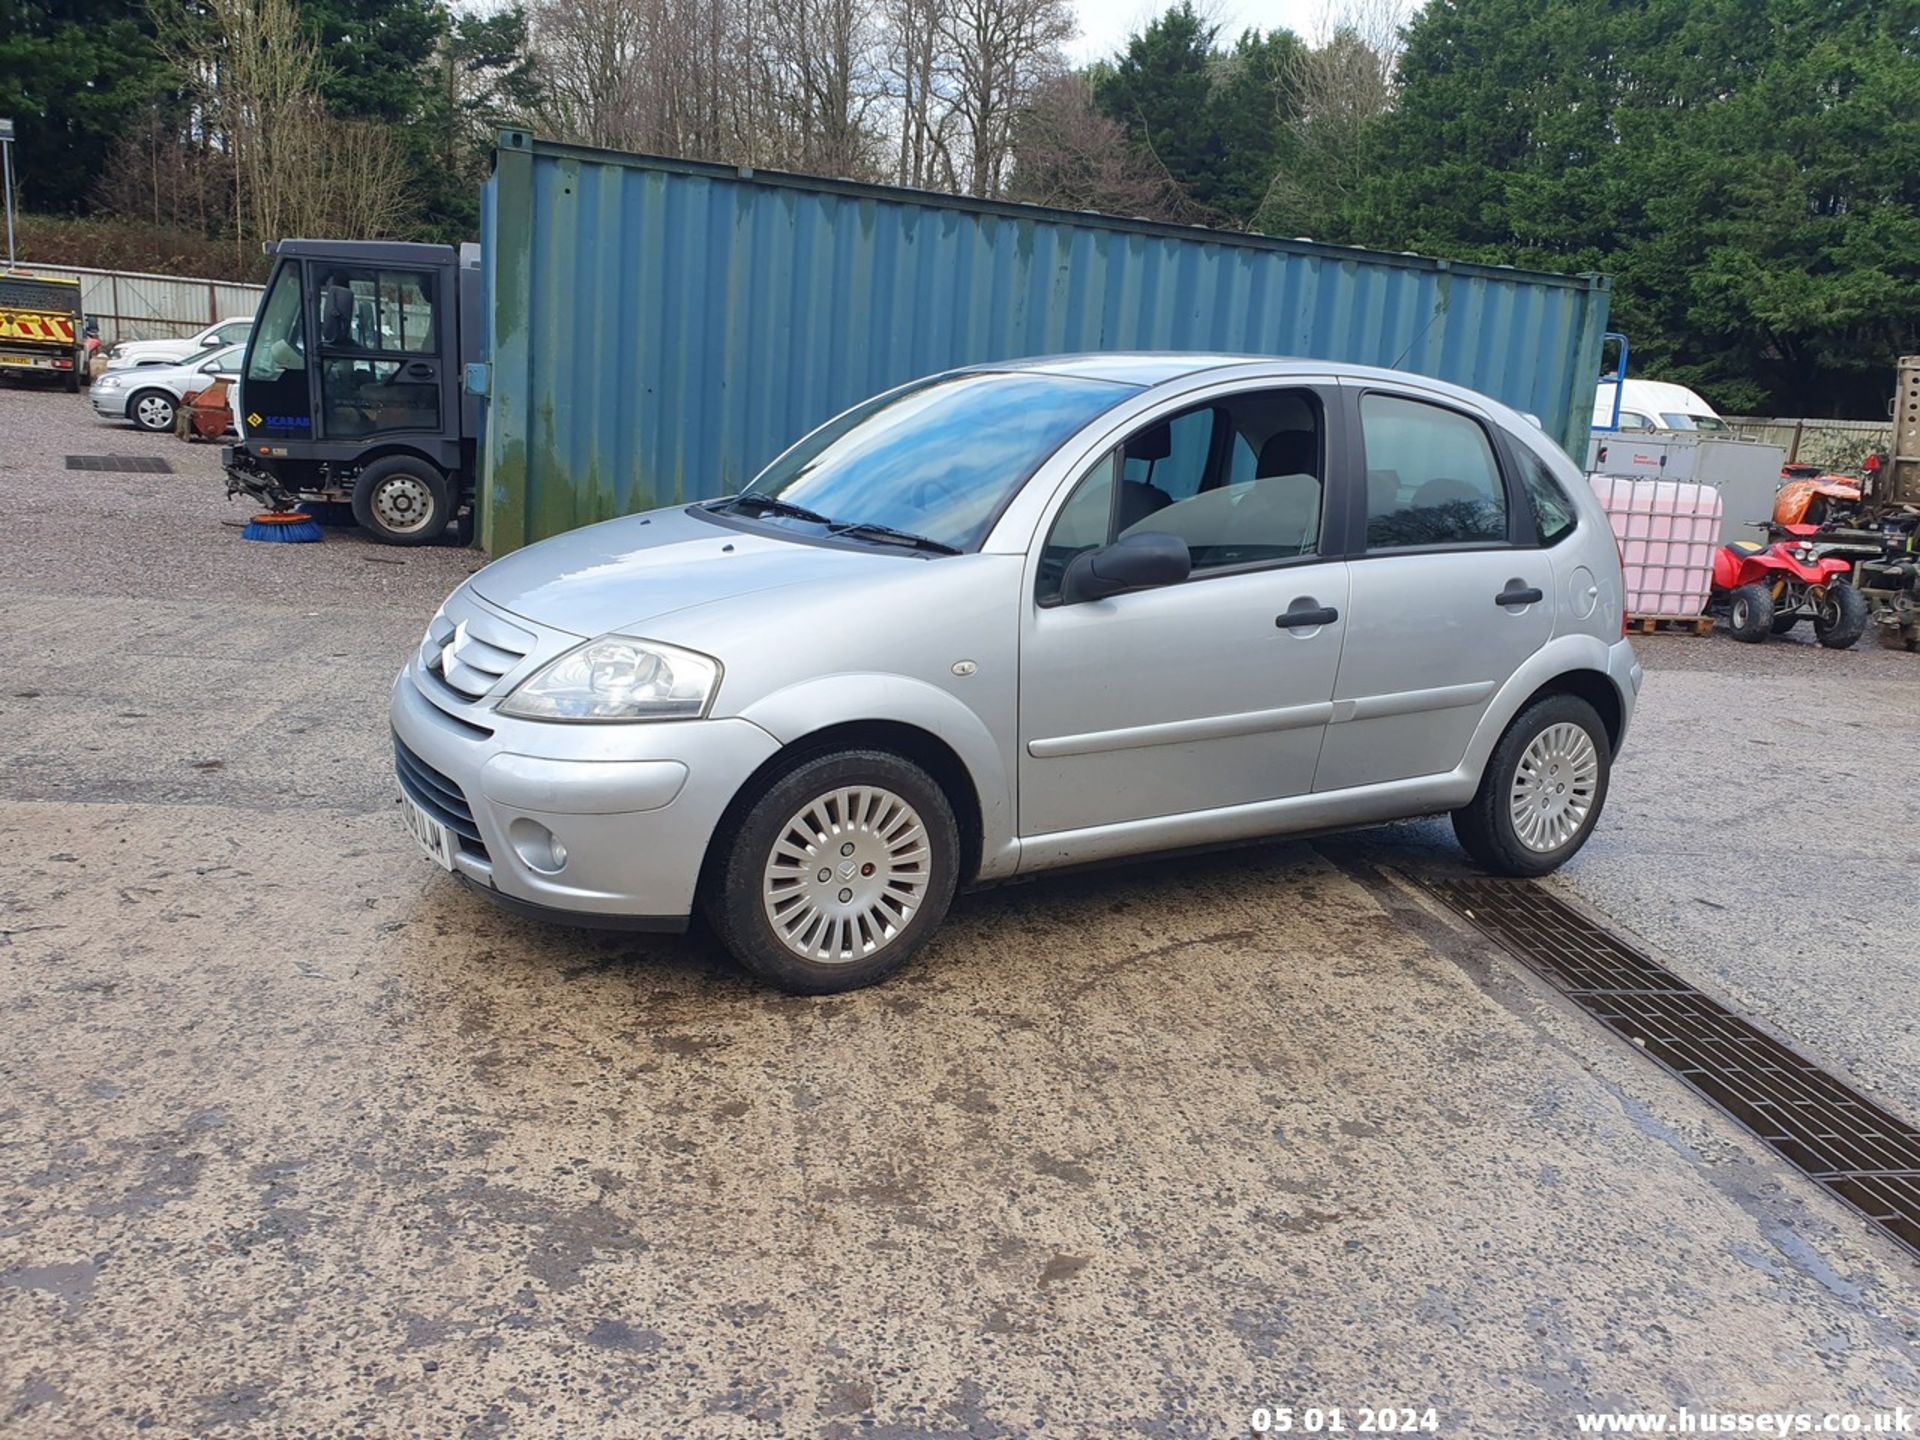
1653 405
129 354
150 395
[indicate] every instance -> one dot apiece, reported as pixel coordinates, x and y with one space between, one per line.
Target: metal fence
132 306
1831 444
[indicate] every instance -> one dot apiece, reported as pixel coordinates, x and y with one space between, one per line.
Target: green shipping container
659 329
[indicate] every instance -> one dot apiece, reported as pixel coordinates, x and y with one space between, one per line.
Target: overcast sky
1106 24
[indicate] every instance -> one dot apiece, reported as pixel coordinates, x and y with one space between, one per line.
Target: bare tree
1067 154
256 77
917 74
1343 85
593 54
826 67
998 51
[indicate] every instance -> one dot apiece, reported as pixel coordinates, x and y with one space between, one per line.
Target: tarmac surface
297 1138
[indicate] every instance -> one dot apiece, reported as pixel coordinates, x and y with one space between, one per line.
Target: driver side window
1238 480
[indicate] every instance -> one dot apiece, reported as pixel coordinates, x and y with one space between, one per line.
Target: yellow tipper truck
41 331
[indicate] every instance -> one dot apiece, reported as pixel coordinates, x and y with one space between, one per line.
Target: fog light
537 846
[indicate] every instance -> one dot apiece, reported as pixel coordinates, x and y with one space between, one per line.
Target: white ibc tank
1668 532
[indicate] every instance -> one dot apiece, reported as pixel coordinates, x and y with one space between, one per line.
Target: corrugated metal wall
133 306
660 329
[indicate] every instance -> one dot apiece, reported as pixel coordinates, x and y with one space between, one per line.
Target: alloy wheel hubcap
1554 787
847 873
402 504
156 412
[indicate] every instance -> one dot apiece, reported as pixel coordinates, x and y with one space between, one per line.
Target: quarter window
1431 477
1553 514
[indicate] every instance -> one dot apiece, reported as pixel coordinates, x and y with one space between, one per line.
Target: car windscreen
939 459
1679 420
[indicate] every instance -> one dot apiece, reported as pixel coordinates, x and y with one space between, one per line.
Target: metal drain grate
127 464
1839 1137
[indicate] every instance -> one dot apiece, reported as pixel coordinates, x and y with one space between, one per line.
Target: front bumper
108 405
634 805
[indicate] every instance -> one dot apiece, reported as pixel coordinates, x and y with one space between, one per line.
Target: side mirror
1135 562
336 313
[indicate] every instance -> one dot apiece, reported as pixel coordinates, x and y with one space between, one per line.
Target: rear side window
1553 513
1431 477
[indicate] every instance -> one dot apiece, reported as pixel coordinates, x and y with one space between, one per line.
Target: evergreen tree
74 74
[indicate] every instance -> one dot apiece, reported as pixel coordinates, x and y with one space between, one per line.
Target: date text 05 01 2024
1335 1420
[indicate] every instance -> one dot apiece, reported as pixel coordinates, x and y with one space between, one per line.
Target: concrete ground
299 1139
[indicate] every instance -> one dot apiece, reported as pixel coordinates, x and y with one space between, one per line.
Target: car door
1450 593
1206 694
381 339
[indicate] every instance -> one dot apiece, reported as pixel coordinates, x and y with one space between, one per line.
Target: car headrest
1153 443
1289 452
1443 491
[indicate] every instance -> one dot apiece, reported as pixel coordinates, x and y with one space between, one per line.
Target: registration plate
435 838
16 360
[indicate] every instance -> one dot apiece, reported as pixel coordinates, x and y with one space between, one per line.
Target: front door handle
1306 614
1518 594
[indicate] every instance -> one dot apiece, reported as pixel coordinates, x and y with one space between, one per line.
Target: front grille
472 655
438 796
1815 1120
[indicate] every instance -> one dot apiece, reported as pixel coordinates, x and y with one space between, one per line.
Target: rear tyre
1542 791
1750 613
402 500
1840 618
835 873
152 411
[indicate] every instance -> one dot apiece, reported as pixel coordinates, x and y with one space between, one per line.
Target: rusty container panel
660 329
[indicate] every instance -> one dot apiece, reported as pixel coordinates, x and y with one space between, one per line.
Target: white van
1653 405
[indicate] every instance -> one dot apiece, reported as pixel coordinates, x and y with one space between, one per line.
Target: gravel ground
297 1138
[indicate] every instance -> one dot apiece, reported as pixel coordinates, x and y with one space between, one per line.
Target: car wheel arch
913 742
1568 664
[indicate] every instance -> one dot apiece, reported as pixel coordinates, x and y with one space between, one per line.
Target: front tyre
1840 618
402 500
153 411
1542 791
835 873
1750 613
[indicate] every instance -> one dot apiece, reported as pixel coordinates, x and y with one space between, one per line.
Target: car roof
1661 394
1149 368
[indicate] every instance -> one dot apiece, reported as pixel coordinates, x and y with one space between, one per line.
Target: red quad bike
1768 589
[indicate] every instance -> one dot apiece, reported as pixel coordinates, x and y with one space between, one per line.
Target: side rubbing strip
1181 732
1411 702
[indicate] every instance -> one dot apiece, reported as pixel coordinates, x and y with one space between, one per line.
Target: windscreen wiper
871 530
775 504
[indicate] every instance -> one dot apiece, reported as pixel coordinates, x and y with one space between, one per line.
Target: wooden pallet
1669 624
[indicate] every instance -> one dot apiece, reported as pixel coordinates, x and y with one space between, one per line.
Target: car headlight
617 677
108 382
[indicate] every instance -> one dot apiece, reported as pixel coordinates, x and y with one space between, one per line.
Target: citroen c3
1022 616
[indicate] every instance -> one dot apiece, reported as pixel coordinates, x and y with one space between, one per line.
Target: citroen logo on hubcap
848 869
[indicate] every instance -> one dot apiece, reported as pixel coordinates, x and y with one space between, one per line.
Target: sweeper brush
284 527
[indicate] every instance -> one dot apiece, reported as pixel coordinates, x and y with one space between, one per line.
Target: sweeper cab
351 396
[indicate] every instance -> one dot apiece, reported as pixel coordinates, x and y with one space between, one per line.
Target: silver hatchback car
1024 616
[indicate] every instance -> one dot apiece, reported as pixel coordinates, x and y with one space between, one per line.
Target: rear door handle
1518 594
1303 614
